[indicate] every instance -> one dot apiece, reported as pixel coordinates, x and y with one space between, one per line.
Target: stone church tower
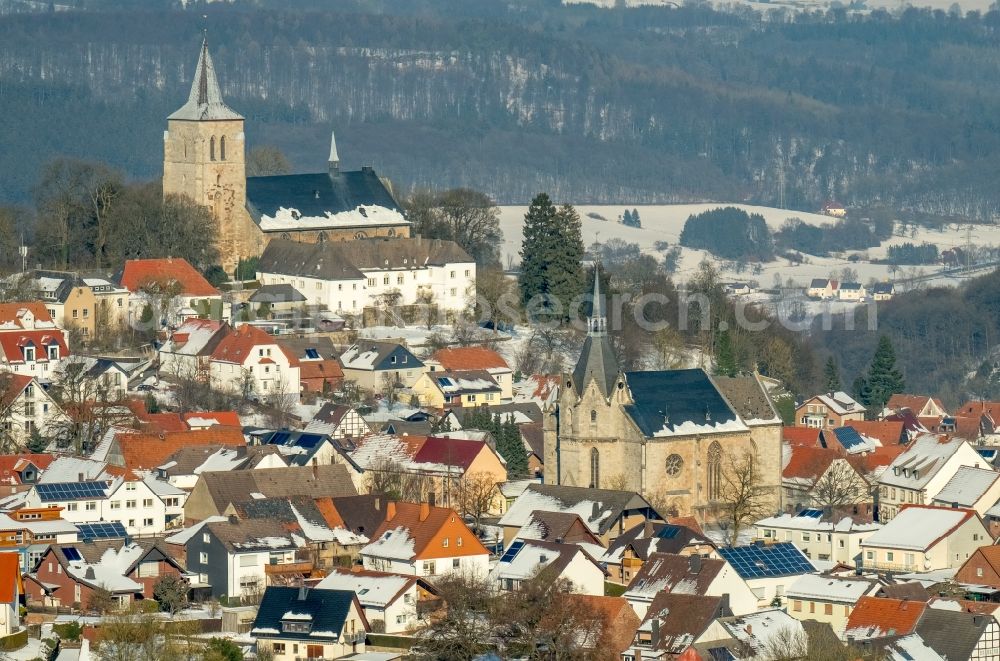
203 158
668 435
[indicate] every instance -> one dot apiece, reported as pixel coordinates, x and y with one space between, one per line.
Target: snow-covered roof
223 459
595 513
533 556
921 461
45 527
829 588
363 215
840 403
162 488
967 486
68 469
763 630
918 528
395 544
318 532
804 522
373 590
109 571
911 648
183 536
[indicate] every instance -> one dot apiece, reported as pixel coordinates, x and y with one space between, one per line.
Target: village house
666 572
422 540
112 378
130 502
27 532
23 468
238 558
373 365
215 492
820 537
172 290
630 551
128 569
925 538
922 406
918 474
11 590
822 288
980 574
960 635
295 623
756 635
768 569
608 513
563 527
183 467
346 278
393 603
971 488
851 291
446 390
883 291
338 421
463 359
673 623
248 361
831 410
531 559
886 432
820 476
828 599
317 373
84 304
187 353
27 409
835 209
31 343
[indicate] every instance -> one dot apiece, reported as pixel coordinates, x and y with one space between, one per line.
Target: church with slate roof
672 436
204 152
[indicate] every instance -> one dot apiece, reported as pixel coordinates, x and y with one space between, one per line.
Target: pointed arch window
211 148
714 471
595 468
593 416
222 148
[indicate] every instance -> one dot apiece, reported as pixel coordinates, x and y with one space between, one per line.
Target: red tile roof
13 385
225 418
877 458
146 451
162 422
980 408
877 617
12 464
138 272
469 358
449 451
806 436
328 368
424 526
915 403
809 463
10 577
13 343
239 343
889 432
11 312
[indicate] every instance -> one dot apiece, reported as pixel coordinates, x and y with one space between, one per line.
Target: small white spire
334 159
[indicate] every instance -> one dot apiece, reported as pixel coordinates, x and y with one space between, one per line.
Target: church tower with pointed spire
203 159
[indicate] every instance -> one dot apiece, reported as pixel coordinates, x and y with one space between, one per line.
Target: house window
458 541
205 538
429 567
76 313
385 280
399 279
72 507
979 572
86 312
222 147
444 542
203 558
797 606
130 504
148 523
29 354
148 569
455 563
453 275
130 486
371 282
595 468
29 409
278 649
888 556
828 609
116 504
147 502
468 273
53 352
90 506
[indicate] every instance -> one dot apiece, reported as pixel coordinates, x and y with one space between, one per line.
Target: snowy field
665 222
805 5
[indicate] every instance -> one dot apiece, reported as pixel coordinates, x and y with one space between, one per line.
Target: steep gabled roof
325 610
205 99
143 451
681 619
804 436
408 534
678 402
469 358
317 481
919 527
674 573
889 432
967 486
599 508
808 463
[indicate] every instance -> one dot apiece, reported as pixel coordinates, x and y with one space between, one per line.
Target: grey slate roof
205 100
679 396
327 611
282 293
318 193
247 535
598 362
316 481
952 634
606 506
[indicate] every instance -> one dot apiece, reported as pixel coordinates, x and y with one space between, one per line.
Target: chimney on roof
390 511
90 574
80 477
425 510
595 512
233 518
694 563
432 499
656 632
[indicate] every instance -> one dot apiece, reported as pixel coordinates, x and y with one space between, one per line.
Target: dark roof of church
680 396
597 361
317 194
205 99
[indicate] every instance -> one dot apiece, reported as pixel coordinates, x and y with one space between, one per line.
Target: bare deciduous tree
389 478
474 495
742 498
839 486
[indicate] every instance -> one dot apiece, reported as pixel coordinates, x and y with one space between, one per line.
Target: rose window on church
674 465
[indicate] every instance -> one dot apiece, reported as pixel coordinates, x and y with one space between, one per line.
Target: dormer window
53 351
297 625
29 354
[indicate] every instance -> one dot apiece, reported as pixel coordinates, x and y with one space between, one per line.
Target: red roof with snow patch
809 463
13 344
469 358
138 272
147 451
804 436
876 617
12 312
888 432
239 343
11 465
225 418
449 451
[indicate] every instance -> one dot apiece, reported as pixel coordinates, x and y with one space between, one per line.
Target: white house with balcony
347 277
133 503
923 538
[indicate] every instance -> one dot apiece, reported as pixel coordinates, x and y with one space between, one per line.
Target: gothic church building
204 151
668 435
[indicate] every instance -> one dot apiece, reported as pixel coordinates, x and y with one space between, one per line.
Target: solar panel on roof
71 490
509 554
71 553
766 561
279 438
811 513
101 530
309 440
667 532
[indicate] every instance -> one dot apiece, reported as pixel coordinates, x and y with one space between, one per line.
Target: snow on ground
665 222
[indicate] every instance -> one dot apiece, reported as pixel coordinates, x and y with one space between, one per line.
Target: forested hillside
641 105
